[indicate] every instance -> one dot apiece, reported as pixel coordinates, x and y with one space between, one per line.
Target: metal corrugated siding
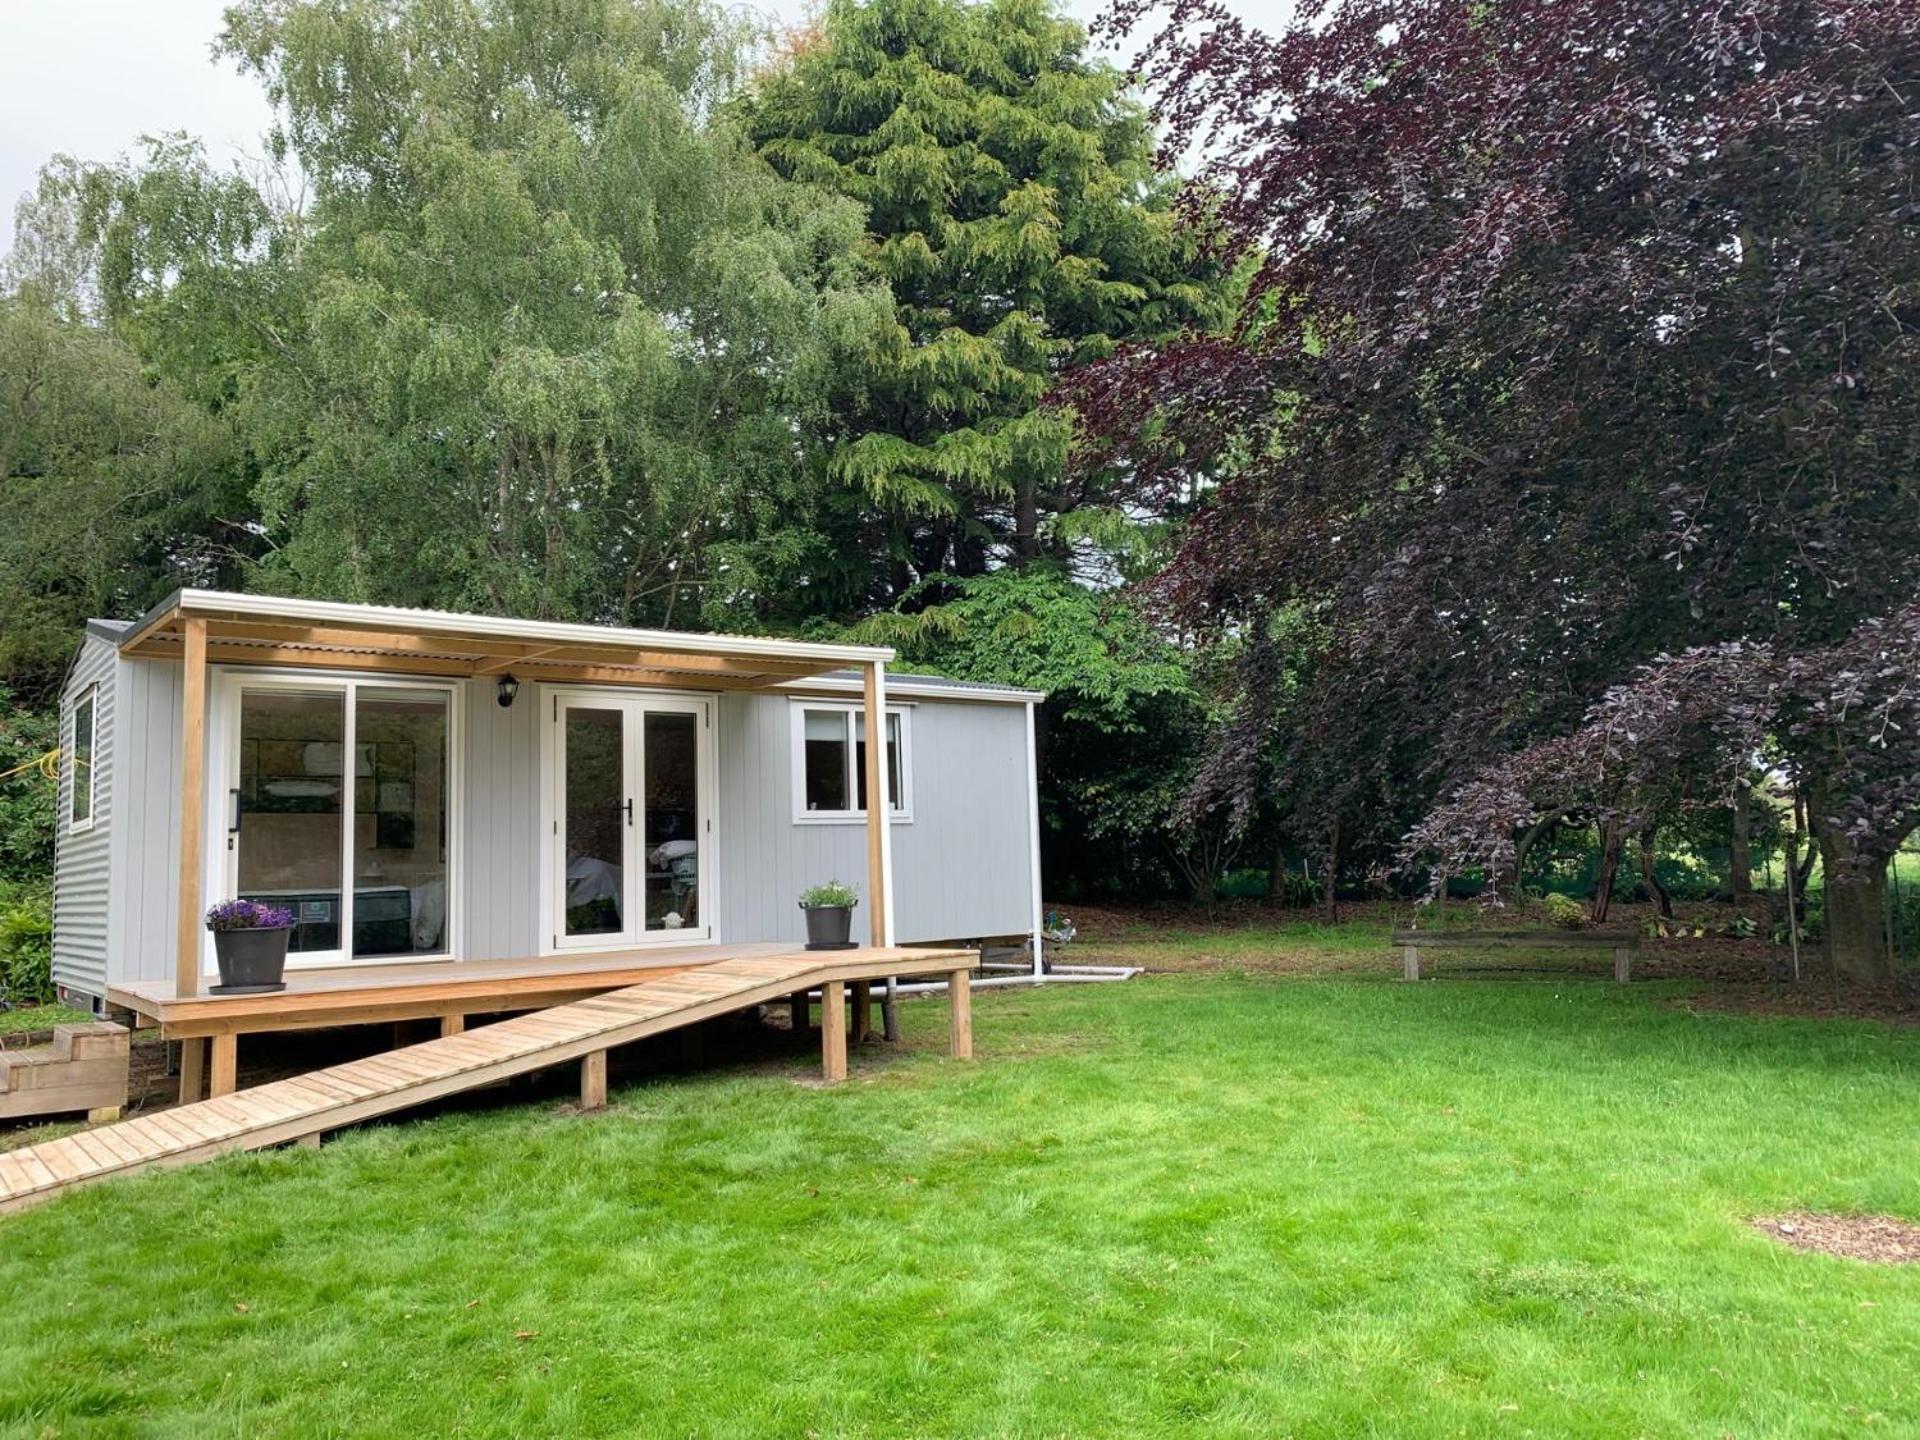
82 863
961 868
501 828
146 839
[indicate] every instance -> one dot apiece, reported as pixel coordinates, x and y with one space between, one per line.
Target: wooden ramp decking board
340 1095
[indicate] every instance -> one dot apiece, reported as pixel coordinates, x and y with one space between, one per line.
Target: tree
1119 734
1582 334
111 486
1013 209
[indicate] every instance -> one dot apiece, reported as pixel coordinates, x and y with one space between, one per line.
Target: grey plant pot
252 960
828 926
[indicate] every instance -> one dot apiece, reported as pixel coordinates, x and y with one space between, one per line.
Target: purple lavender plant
248 915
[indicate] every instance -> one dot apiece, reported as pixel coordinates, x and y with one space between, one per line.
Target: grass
1209 1205
39 1017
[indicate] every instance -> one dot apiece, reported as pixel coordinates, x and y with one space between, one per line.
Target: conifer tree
1014 209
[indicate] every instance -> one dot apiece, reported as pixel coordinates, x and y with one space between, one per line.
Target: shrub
248 915
819 897
1565 912
26 945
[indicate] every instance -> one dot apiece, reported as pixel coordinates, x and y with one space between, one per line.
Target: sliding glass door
337 805
629 796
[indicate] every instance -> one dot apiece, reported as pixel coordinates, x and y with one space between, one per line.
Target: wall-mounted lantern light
507 689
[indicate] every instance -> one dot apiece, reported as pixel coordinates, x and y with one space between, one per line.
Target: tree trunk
1332 875
1026 519
1609 867
1656 892
1523 846
1855 909
1277 874
1740 861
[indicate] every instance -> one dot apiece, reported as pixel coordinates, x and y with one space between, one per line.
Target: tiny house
453 805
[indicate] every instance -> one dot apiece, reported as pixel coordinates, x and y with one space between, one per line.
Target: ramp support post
833 1030
593 1081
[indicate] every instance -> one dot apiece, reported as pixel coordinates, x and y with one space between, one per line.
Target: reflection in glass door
630 820
595 820
400 821
672 758
287 810
335 801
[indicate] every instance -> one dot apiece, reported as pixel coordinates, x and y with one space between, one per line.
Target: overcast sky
89 77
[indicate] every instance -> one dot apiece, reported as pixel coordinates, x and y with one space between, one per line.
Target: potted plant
829 910
250 941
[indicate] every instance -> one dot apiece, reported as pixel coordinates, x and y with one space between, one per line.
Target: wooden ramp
304 1108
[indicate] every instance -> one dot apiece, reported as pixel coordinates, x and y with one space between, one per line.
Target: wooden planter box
85 1068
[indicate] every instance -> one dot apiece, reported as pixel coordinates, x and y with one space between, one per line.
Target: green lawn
1209 1205
39 1017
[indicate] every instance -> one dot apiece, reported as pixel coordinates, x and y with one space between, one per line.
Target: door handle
629 813
233 819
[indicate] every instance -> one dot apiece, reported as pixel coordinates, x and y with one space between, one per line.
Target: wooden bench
85 1068
1623 944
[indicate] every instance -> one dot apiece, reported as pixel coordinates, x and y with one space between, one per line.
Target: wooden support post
193 806
593 1081
874 706
862 1011
309 1142
802 1020
1410 962
224 1073
105 1115
890 1011
452 1025
833 1030
960 998
1622 962
193 1069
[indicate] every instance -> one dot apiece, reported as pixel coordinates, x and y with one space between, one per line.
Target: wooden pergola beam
550 670
487 655
879 803
193 805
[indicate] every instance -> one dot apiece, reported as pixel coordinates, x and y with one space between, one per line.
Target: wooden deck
581 1031
363 994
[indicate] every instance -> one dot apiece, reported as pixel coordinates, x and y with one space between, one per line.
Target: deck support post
890 1011
193 804
224 1073
862 1011
802 1019
193 1069
309 1142
593 1080
960 998
452 1025
833 1030
879 776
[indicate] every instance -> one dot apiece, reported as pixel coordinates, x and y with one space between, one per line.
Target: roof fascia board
220 603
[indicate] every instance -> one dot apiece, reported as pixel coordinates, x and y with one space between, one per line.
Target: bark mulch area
1880 1239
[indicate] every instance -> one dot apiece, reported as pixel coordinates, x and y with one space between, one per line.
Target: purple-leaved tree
1578 382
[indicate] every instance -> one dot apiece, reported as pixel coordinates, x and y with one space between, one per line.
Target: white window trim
225 683
797 726
76 825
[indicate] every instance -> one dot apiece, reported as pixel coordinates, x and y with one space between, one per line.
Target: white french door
629 823
333 797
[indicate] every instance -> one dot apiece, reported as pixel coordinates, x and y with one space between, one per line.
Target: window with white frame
830 762
80 764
